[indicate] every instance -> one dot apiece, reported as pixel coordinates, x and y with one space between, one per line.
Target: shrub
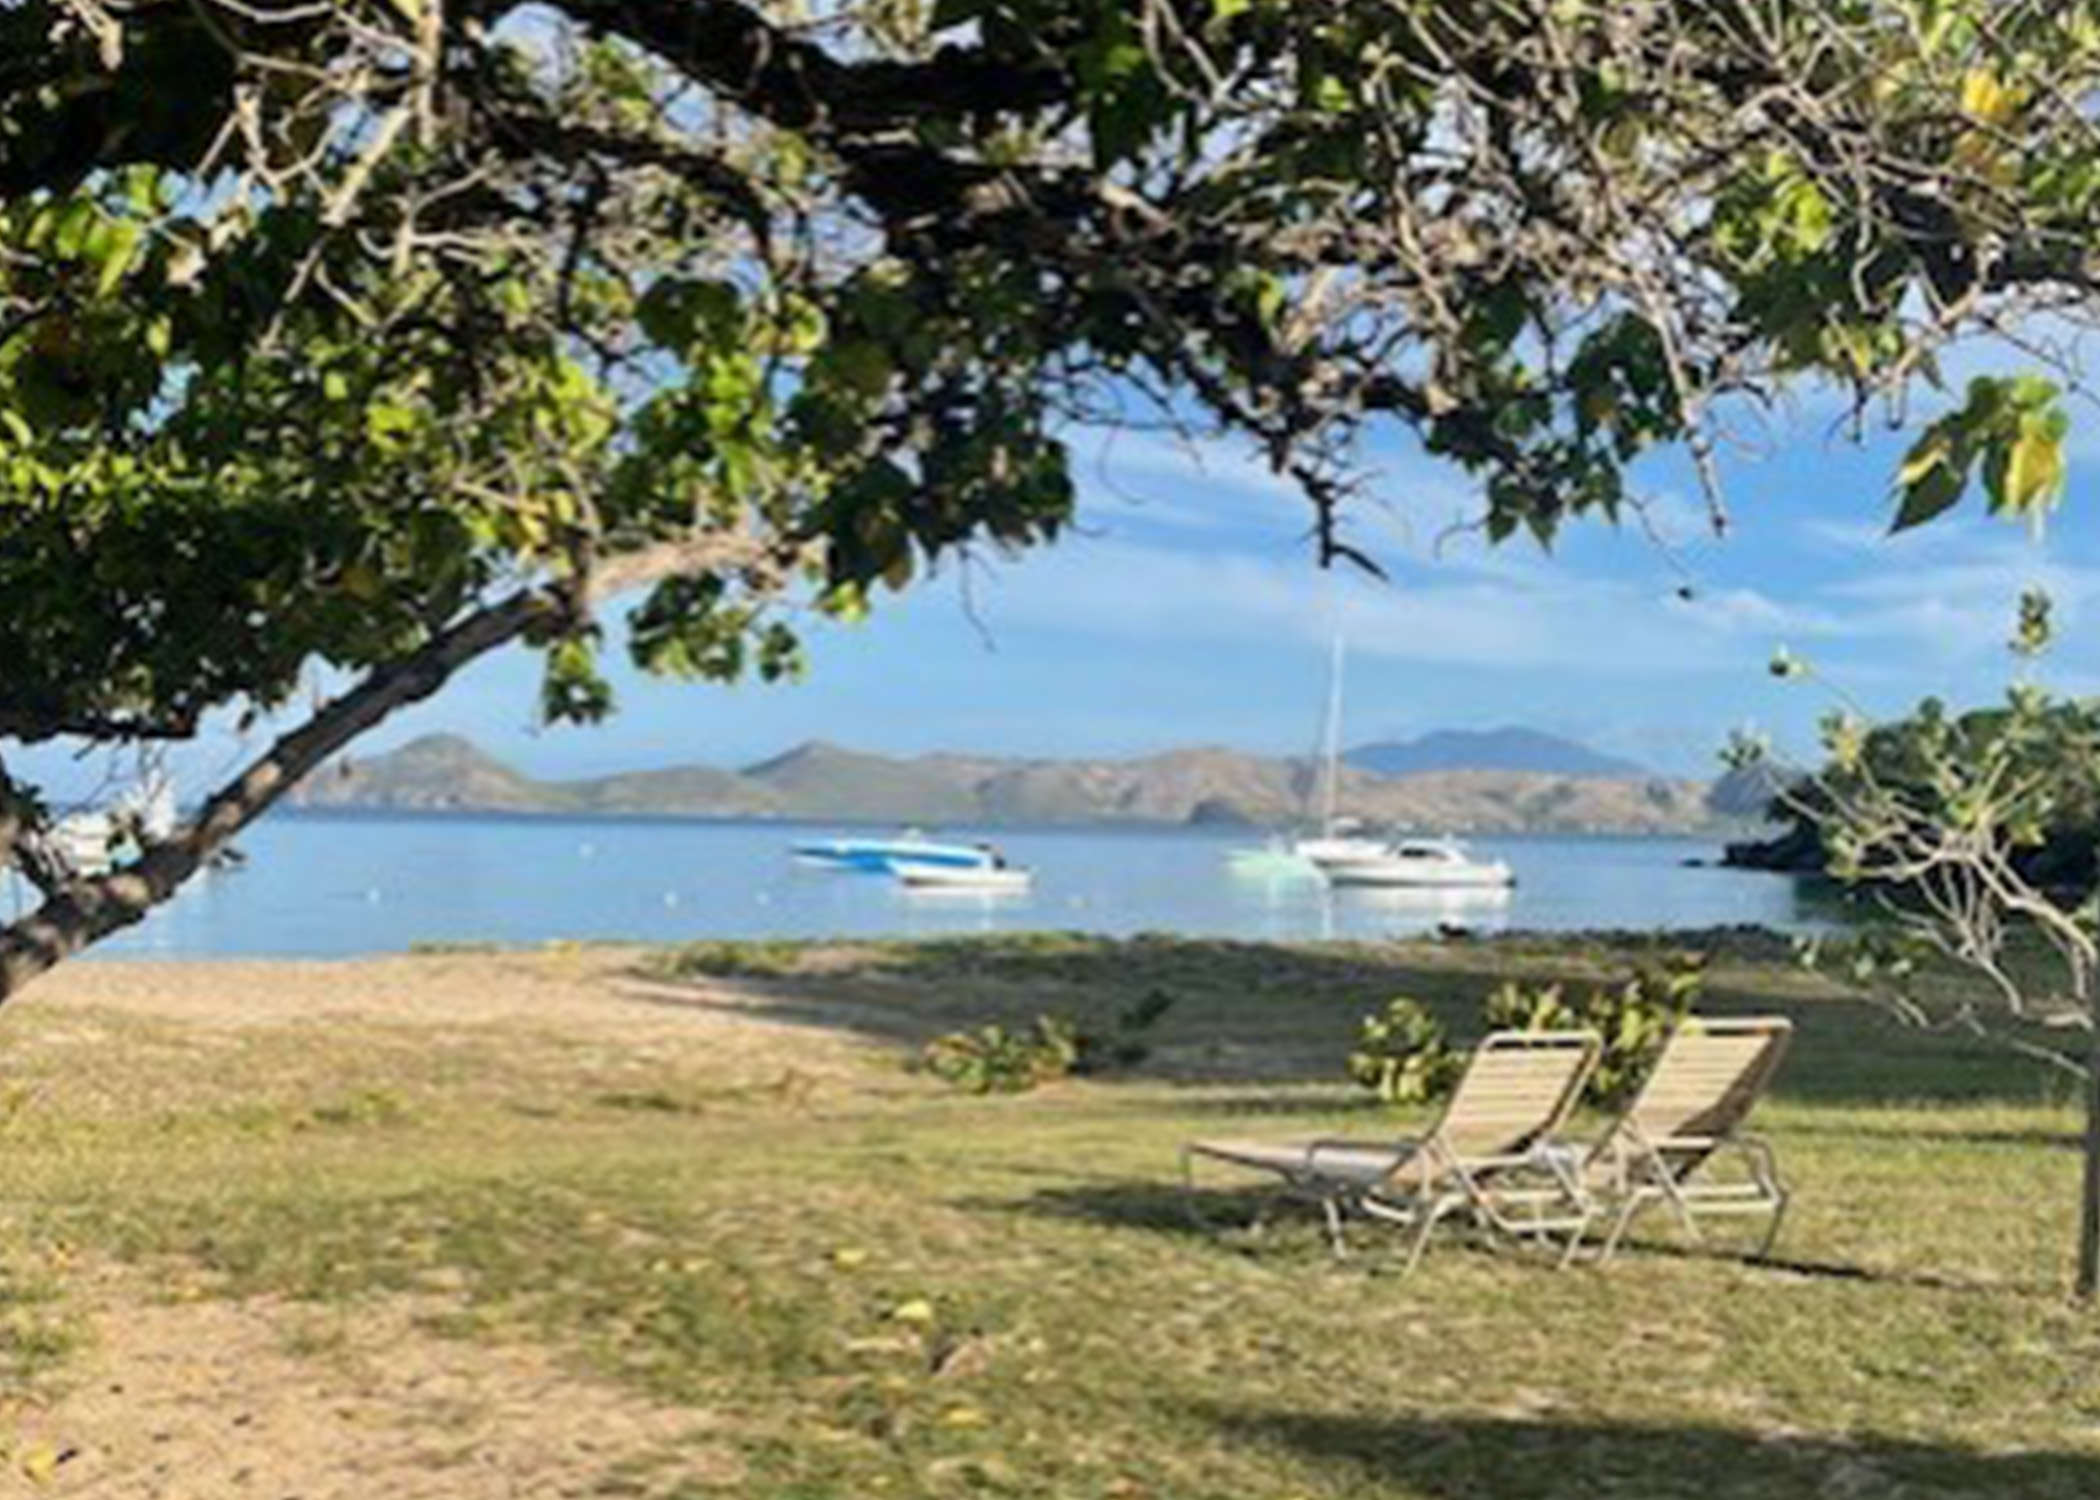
1512 1007
1402 1057
1634 1017
1124 1044
994 1060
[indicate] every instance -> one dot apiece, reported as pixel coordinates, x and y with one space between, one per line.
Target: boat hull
1406 874
985 880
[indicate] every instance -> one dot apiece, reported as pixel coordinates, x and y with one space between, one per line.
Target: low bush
997 1060
1402 1056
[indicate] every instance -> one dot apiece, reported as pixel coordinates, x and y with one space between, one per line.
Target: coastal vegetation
475 1224
371 339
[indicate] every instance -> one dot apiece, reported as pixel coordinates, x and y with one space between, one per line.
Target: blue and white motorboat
909 849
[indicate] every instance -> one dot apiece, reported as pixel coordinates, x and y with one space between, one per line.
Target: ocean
335 884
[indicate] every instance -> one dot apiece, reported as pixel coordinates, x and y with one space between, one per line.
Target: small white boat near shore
993 880
1436 864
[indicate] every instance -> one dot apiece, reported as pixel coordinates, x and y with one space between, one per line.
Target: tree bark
2088 1278
88 910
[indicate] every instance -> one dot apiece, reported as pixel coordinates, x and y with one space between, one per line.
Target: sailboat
1338 843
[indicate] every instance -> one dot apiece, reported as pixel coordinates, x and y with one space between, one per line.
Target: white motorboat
1440 864
1342 851
993 880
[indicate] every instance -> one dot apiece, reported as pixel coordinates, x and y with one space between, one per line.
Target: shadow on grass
1162 1207
1260 1013
1468 1457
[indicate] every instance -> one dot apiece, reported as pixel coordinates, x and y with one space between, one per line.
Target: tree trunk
2088 1281
85 911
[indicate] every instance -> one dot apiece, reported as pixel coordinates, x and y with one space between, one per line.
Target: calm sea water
320 885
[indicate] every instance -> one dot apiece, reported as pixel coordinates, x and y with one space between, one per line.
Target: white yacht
1437 863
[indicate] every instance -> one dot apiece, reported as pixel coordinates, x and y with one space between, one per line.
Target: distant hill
1492 750
820 780
1203 785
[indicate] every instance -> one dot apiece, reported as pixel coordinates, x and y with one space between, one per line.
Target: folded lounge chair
1490 1154
1689 1116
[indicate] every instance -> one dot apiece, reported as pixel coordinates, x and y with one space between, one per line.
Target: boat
1276 860
992 880
885 856
93 841
1339 843
1442 864
1341 847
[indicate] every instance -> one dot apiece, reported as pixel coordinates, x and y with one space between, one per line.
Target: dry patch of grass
718 1221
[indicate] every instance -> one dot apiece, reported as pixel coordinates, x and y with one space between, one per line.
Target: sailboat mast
1331 794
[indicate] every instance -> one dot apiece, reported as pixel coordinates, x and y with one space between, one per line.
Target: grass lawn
732 1200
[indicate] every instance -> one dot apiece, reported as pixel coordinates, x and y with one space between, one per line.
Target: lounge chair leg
1188 1193
1419 1243
1764 1250
1618 1229
1331 1211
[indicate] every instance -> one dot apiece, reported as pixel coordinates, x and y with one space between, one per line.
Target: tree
1971 839
384 333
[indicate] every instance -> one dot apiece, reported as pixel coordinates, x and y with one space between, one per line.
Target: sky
1186 609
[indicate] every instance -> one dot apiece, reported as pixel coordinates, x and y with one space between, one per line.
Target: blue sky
1187 610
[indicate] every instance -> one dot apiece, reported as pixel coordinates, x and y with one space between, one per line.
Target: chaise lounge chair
1490 1154
1688 1116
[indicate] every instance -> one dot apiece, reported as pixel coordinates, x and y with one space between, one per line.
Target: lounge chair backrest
1519 1087
1710 1075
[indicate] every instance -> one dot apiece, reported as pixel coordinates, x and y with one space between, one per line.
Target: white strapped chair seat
1689 1116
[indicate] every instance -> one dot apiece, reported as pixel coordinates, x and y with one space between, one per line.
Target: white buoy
670 898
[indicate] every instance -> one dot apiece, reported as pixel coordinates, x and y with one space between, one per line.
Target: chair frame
1636 1167
1448 1181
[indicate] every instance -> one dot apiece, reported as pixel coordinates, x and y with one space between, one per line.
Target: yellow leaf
964 1416
40 1463
849 1258
2034 469
1987 98
918 1310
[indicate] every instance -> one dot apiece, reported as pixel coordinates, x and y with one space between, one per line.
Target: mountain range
1508 749
821 781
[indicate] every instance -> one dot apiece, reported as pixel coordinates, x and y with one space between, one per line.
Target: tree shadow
1267 1014
1167 1208
1551 1458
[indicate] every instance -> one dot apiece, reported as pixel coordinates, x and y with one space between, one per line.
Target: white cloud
1498 615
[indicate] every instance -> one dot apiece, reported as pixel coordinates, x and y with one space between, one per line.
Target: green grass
886 1288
